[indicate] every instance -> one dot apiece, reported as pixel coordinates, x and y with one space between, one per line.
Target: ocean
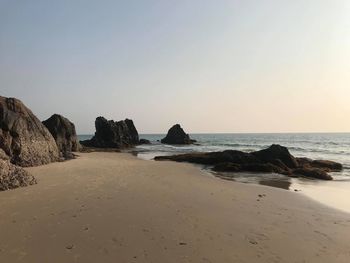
328 146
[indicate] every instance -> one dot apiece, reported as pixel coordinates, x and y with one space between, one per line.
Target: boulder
275 159
277 152
12 176
63 131
111 134
144 141
23 137
176 135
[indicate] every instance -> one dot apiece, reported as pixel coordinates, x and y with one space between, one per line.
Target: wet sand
113 207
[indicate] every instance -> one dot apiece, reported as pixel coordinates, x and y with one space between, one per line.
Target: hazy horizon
212 66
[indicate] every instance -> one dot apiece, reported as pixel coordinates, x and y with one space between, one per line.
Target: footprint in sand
69 247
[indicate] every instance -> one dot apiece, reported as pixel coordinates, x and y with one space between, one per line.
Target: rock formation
275 159
12 176
176 135
111 134
63 131
144 141
23 138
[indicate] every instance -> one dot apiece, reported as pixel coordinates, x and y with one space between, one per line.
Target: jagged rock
111 134
176 135
275 159
23 137
144 141
63 131
12 176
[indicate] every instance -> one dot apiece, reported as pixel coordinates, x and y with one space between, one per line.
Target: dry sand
113 207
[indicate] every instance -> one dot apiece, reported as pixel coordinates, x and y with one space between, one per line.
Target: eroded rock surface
113 134
13 176
23 138
63 131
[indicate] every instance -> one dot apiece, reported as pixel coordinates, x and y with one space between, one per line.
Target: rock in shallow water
111 134
144 141
275 159
176 135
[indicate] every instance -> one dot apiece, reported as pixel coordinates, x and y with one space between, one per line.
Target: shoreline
112 207
327 193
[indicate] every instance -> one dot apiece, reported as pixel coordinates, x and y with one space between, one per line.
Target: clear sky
213 66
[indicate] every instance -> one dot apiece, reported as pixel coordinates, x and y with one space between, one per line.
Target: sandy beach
113 207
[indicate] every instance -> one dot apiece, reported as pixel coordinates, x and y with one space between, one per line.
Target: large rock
63 131
277 152
212 158
176 135
23 137
275 159
111 134
12 176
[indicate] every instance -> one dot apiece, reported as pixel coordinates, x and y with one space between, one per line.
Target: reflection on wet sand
284 184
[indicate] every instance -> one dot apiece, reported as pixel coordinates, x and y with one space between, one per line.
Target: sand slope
112 207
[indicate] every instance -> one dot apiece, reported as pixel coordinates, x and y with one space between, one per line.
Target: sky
212 66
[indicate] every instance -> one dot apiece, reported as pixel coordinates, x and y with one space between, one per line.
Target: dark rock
23 137
303 162
250 167
176 135
313 173
13 176
275 159
63 131
144 141
332 166
277 152
211 158
322 164
111 134
227 167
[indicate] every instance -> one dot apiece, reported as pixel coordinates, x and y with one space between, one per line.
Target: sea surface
327 146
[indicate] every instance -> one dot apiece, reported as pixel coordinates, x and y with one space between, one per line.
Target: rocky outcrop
144 141
111 134
63 131
275 159
12 176
276 152
23 138
176 135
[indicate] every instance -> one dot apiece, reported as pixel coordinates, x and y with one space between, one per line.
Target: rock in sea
113 134
275 159
176 135
144 141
